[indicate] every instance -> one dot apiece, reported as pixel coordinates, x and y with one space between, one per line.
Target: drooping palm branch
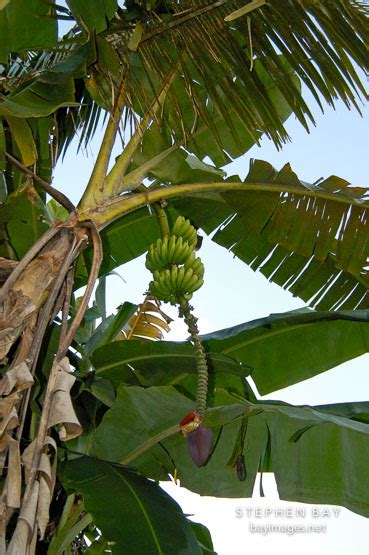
320 41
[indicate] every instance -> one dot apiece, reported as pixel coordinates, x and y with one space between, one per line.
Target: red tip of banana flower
199 438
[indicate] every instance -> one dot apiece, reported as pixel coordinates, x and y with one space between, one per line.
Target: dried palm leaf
148 322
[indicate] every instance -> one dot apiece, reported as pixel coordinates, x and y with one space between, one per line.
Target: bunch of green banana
177 272
183 228
167 251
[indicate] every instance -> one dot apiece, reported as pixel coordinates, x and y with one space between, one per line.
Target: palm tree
185 87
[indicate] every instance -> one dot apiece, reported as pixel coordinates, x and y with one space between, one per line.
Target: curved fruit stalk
178 273
185 311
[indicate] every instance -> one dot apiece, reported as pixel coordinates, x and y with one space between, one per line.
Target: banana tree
97 409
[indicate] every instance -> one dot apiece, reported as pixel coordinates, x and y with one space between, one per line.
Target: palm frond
312 240
218 63
320 40
37 73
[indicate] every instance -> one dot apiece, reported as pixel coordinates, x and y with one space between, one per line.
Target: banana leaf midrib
152 356
132 201
150 443
269 334
142 508
318 417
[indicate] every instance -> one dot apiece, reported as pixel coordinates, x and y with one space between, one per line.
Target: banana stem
162 219
201 363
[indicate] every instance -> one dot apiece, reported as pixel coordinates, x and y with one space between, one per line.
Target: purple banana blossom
199 443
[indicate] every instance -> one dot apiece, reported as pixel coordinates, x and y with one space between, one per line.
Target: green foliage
306 447
222 133
140 517
93 15
110 327
324 65
310 239
25 26
284 349
213 91
163 363
23 219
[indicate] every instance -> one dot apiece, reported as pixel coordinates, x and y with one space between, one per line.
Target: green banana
163 253
157 291
198 267
184 253
171 248
180 276
190 236
190 259
164 285
172 260
187 280
178 225
197 286
155 262
194 284
149 259
183 227
178 250
178 273
173 277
